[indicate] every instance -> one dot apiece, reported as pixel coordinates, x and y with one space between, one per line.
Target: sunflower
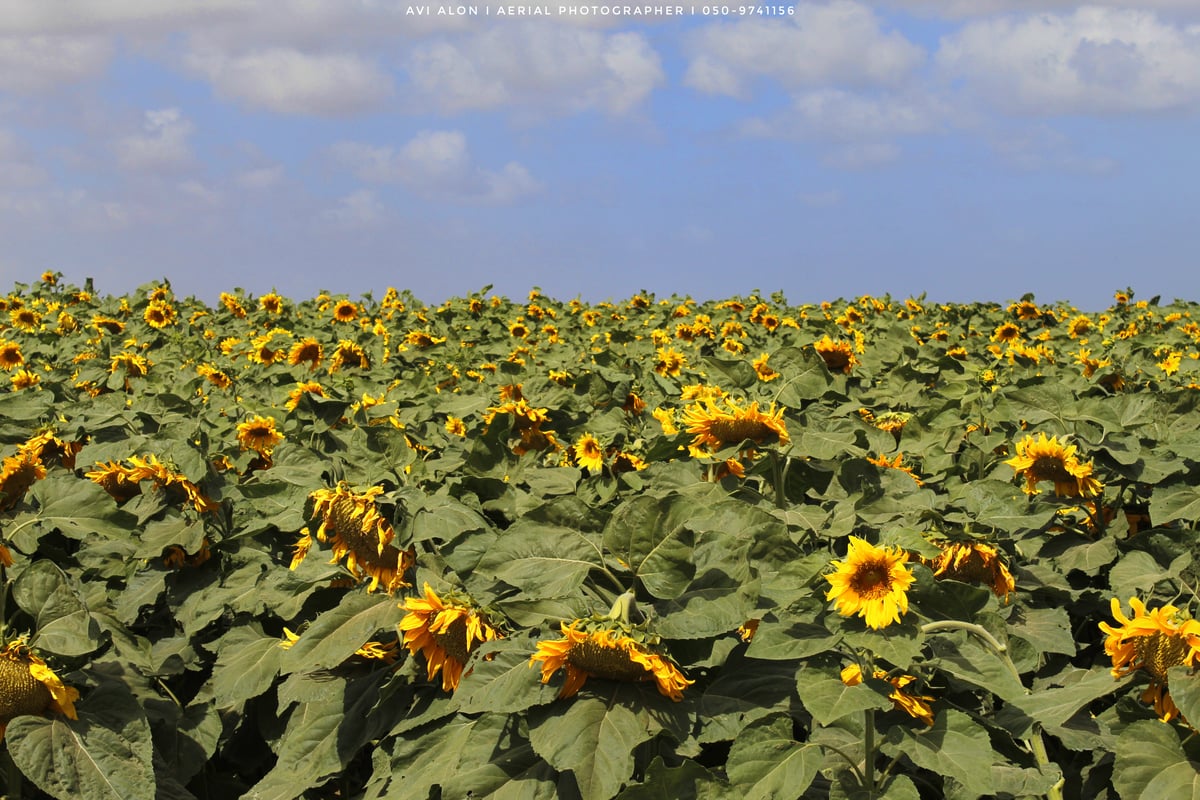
259 435
897 464
108 324
25 319
214 376
10 356
1079 326
28 686
608 653
714 427
303 388
589 453
118 480
1152 641
872 582
455 426
764 372
670 362
24 379
838 356
1047 459
518 329
159 314
352 524
626 462
271 303
349 354
345 311
1008 332
527 425
446 631
422 339
17 474
307 350
174 484
916 706
973 563
131 364
48 448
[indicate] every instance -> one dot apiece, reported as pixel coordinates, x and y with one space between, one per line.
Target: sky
967 150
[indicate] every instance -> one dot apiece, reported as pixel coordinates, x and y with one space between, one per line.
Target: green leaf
956 746
593 735
76 507
505 682
247 665
1047 629
1150 764
541 560
1136 574
1169 503
64 625
743 692
688 781
649 536
767 762
107 754
828 699
1054 706
338 632
967 659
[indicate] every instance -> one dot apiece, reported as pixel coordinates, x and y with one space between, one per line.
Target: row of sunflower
626 549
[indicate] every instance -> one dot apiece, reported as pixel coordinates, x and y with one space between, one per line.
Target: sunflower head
28 686
916 706
716 427
358 533
17 474
345 311
259 434
445 630
973 562
10 356
871 582
589 454
1047 459
1152 641
838 356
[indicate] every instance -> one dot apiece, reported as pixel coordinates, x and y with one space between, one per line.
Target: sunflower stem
621 608
779 473
869 751
1036 744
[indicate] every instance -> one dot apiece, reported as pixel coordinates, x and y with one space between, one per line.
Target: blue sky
968 150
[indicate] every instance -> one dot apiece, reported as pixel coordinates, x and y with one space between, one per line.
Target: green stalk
1036 744
869 751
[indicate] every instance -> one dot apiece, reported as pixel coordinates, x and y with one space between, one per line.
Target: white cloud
977 8
17 167
164 145
1094 60
437 163
201 194
537 67
866 155
260 178
1041 148
355 211
288 81
841 43
36 63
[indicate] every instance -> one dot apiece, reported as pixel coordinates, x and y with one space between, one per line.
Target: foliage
199 503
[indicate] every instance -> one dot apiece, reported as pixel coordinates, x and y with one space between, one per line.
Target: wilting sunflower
717 427
1152 641
871 582
17 474
973 562
916 706
607 652
352 524
259 435
349 354
446 631
175 485
49 449
764 372
589 453
10 356
838 356
118 480
303 388
897 464
28 686
1047 459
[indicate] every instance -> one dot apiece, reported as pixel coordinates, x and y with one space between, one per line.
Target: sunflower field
656 548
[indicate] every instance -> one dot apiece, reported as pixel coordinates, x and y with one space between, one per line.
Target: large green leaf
828 699
247 665
336 634
593 735
650 537
65 627
955 746
107 754
73 506
767 762
543 561
1151 765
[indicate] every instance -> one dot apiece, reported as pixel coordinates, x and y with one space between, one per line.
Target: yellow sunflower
115 478
303 388
307 351
606 653
10 356
1153 641
159 314
49 449
872 582
455 426
24 379
897 464
838 356
1047 459
358 533
915 705
349 354
589 453
1007 332
259 435
17 474
764 372
973 562
25 319
670 362
174 484
28 686
345 311
271 303
717 427
446 631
